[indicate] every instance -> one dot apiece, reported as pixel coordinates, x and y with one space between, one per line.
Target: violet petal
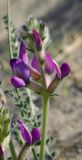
35 63
22 71
36 135
65 70
23 53
13 62
26 134
17 82
51 65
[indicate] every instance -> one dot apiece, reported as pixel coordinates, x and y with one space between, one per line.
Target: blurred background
64 18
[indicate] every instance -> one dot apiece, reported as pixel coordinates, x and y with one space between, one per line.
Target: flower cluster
24 72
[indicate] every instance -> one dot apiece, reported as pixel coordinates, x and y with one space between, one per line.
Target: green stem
43 76
45 114
9 29
12 149
34 153
44 126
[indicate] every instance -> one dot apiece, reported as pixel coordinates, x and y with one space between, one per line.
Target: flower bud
28 35
29 137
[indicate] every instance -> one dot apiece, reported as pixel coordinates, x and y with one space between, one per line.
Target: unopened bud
28 32
38 40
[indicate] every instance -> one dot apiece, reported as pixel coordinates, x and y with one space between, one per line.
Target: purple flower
20 68
22 71
23 53
17 82
36 135
29 137
37 39
35 64
65 71
51 65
